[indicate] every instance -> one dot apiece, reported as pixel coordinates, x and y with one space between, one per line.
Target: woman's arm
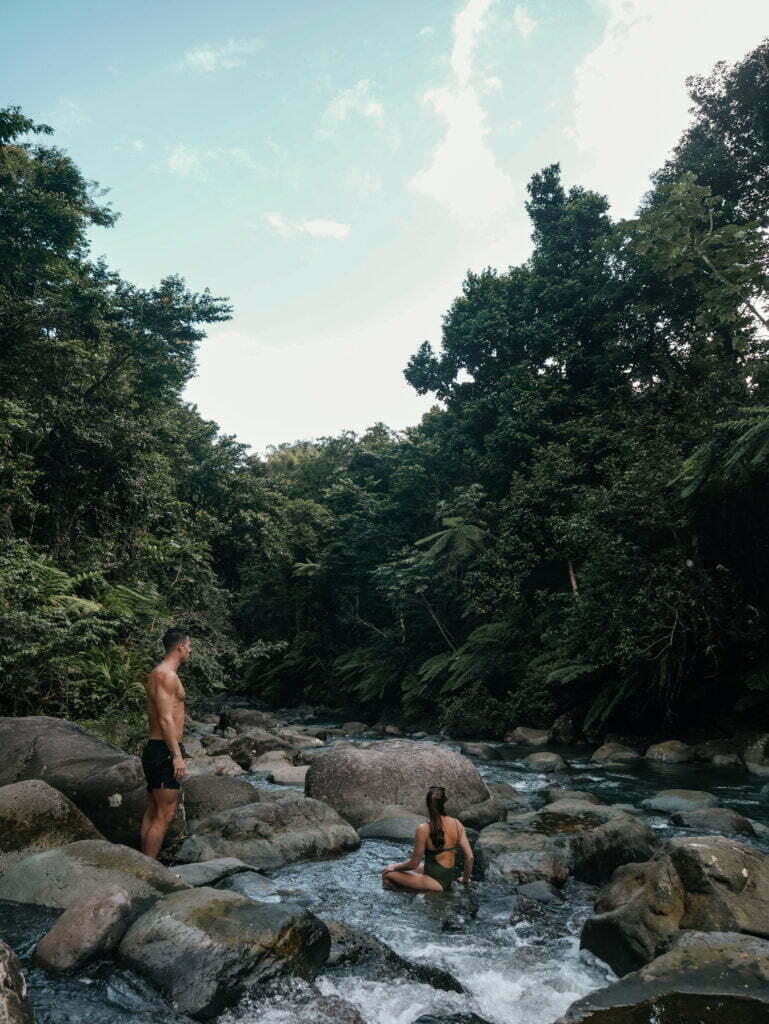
420 841
467 850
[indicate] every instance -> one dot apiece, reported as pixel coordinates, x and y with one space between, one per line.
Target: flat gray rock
271 833
715 819
60 877
209 872
668 801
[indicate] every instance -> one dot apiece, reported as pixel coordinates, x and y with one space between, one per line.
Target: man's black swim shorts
158 765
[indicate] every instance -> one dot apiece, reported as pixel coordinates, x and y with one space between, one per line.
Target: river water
524 973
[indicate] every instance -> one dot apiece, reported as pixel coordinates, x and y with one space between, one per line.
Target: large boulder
205 948
593 839
88 929
357 781
716 978
715 819
726 883
503 798
670 752
703 884
206 794
596 853
504 852
58 878
637 917
104 782
271 832
34 816
668 801
15 1007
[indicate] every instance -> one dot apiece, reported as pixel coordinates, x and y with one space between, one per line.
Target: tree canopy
577 525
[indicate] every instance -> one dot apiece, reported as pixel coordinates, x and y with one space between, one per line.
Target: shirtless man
163 754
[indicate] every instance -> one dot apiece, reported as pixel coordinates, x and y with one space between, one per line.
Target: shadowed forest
577 526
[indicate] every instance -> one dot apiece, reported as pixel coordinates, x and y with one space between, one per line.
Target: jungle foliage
579 524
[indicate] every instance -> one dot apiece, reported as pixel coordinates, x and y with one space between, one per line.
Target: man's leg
164 801
150 814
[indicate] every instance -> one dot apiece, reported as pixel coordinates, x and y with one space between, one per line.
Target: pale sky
335 168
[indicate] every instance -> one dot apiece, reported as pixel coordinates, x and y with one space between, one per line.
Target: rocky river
481 954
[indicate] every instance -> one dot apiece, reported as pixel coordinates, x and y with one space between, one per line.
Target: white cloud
356 101
184 161
316 228
241 156
427 31
463 174
524 21
279 224
326 228
492 84
363 181
189 162
129 145
630 98
207 59
69 114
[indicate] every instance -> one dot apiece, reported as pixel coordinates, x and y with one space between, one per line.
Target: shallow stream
526 973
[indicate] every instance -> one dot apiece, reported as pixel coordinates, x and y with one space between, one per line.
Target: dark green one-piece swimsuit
445 876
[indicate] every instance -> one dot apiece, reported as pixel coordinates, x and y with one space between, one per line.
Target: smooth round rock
544 761
34 816
614 753
715 819
669 801
357 782
670 752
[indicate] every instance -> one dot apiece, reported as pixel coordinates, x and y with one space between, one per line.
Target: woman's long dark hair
436 809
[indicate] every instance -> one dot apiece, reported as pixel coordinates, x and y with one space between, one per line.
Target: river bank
516 961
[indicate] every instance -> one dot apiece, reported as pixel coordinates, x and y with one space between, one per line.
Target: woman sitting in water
438 842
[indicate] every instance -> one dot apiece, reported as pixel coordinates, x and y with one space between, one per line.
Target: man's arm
164 702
